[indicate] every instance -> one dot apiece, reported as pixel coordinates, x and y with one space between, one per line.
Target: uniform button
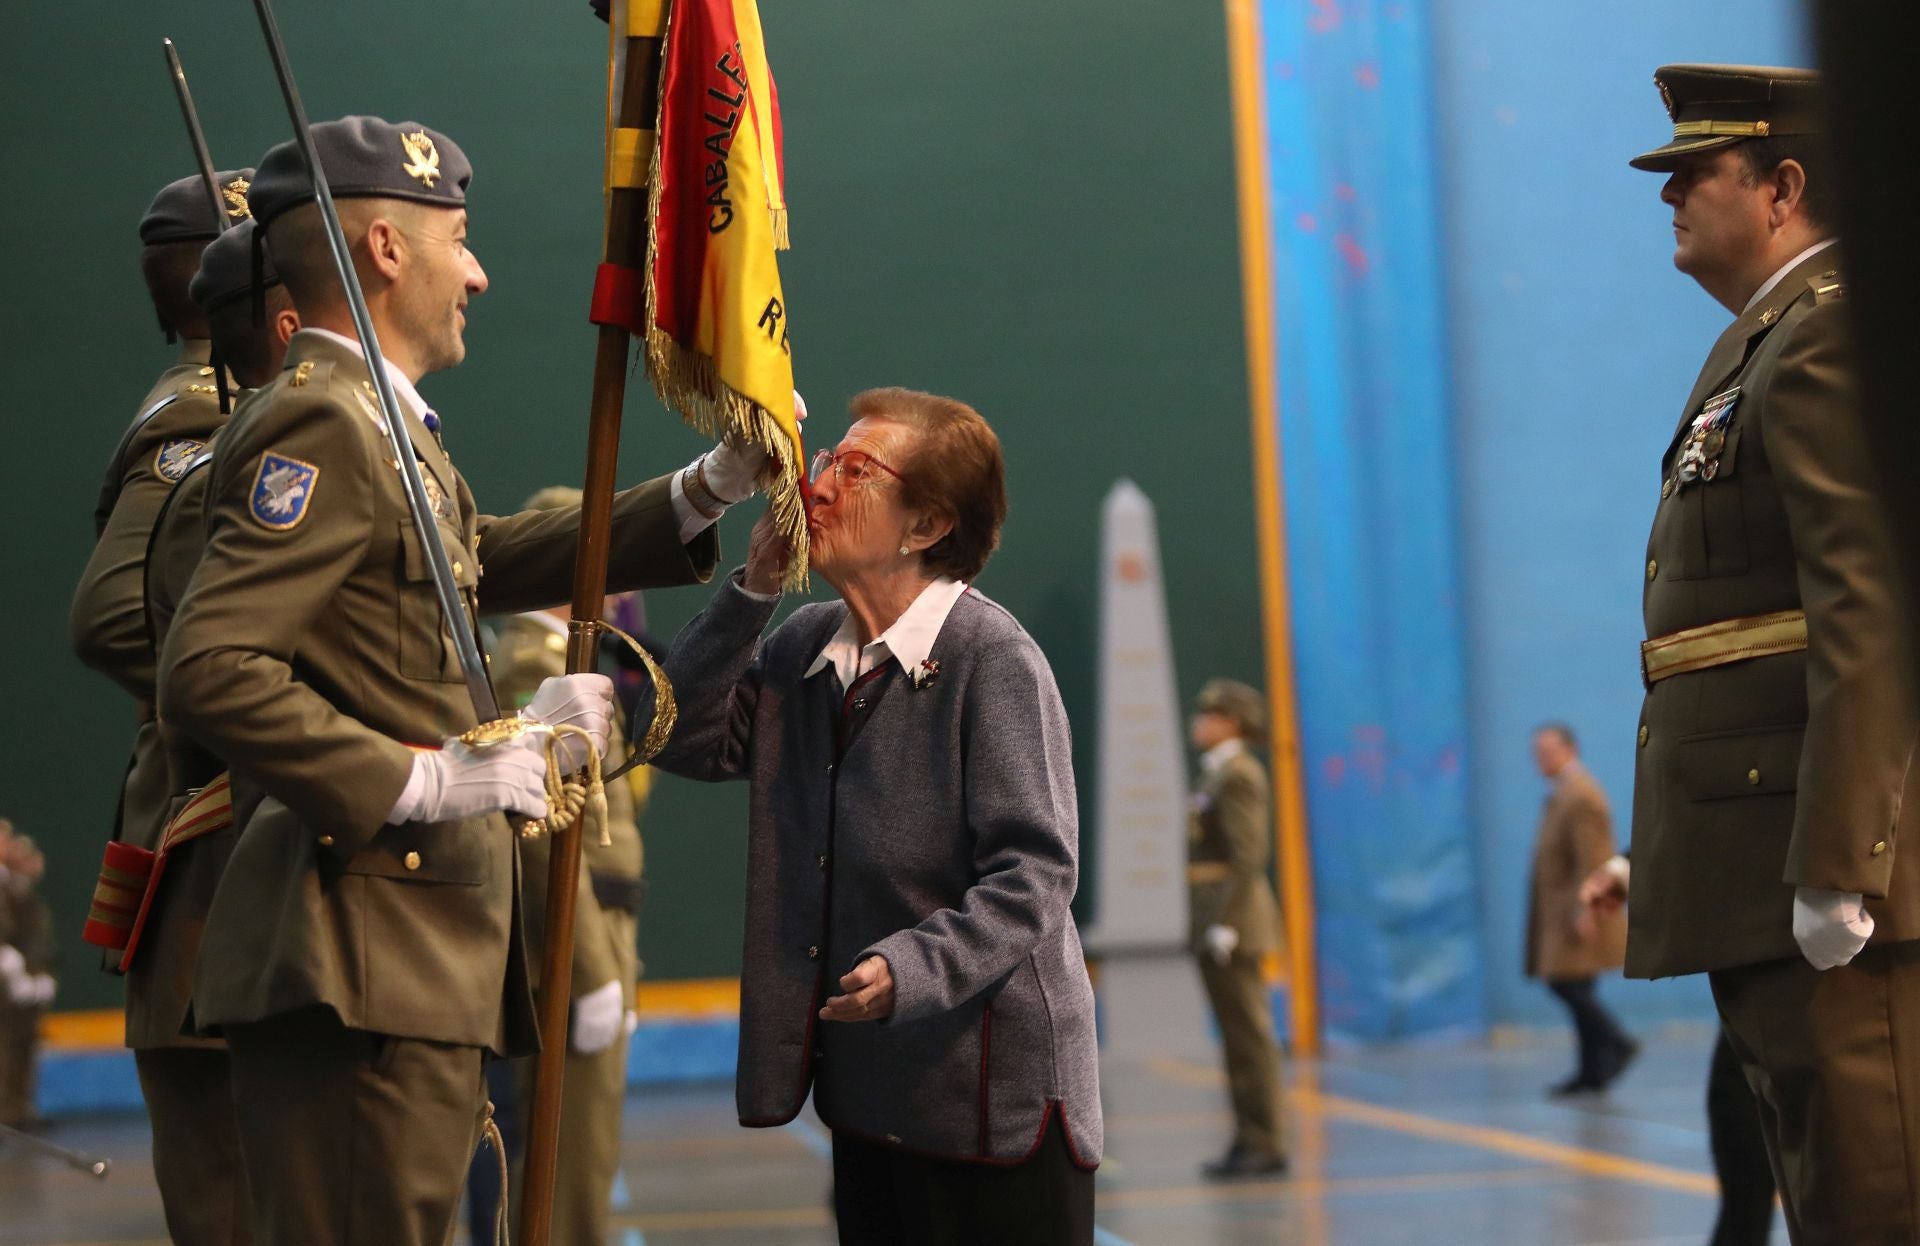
1879 847
459 567
412 861
823 860
1653 568
1753 777
829 767
326 841
1643 737
859 703
1666 487
813 953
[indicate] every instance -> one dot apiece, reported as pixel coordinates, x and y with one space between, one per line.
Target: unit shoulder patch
282 491
171 462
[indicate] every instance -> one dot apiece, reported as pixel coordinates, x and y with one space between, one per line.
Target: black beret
1719 105
226 269
364 158
181 213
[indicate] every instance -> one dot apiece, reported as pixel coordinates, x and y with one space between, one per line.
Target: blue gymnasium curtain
1371 516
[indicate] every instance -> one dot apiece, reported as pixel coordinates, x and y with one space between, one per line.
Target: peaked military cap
226 269
181 213
1237 701
1719 105
364 158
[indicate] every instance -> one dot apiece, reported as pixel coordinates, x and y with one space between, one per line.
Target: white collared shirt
908 641
1221 753
402 387
1785 268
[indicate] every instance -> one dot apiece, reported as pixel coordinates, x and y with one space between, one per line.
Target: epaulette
309 372
1827 287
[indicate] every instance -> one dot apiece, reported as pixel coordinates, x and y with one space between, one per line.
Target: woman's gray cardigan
943 836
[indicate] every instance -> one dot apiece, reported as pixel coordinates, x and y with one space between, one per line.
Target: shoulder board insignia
302 374
282 490
371 405
1770 315
206 371
171 463
198 389
1828 291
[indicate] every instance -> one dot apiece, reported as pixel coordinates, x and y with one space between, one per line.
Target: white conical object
1141 811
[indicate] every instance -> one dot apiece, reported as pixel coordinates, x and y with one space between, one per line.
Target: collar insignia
423 159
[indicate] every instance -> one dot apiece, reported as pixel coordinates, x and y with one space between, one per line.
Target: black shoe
1623 1057
1240 1162
1578 1084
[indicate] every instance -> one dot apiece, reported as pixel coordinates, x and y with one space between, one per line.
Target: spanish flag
718 343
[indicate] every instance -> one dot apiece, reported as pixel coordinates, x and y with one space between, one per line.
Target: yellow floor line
1503 1141
714 1221
1314 1187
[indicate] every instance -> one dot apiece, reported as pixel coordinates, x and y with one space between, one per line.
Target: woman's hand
766 557
869 993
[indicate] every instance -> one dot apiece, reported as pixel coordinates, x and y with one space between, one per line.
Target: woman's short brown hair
954 469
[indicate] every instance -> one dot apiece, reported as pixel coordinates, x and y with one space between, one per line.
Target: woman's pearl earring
904 551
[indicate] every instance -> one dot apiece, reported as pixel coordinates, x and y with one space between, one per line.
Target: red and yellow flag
718 348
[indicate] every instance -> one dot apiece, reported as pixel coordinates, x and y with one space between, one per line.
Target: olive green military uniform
27 926
1768 762
1229 851
360 969
605 935
183 1078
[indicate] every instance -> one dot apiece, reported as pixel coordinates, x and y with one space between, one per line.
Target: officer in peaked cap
363 951
1775 742
195 1145
1234 918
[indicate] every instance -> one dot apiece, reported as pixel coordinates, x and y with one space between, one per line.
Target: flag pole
636 40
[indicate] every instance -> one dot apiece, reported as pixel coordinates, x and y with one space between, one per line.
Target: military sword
88 1164
210 179
196 135
452 607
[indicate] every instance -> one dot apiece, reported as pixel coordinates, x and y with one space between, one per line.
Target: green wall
1029 206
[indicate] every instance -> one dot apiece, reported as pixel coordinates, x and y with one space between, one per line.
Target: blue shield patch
170 464
282 490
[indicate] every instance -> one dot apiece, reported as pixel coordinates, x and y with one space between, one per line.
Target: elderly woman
913 847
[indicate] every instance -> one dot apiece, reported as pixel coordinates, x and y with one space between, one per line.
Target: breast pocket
1702 531
425 646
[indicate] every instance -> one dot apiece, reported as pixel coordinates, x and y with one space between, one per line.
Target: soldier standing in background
184 1080
531 648
1235 918
27 957
1778 730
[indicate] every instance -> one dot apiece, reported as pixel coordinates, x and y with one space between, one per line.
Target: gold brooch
423 159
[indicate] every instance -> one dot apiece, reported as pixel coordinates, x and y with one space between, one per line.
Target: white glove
1830 926
12 964
630 1024
583 701
1221 940
23 988
463 782
597 1018
732 470
42 994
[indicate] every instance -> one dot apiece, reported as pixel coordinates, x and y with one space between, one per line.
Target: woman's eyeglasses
850 467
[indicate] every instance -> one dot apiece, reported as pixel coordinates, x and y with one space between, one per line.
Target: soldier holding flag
363 951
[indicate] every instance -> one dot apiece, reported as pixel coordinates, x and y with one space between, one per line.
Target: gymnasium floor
1430 1145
